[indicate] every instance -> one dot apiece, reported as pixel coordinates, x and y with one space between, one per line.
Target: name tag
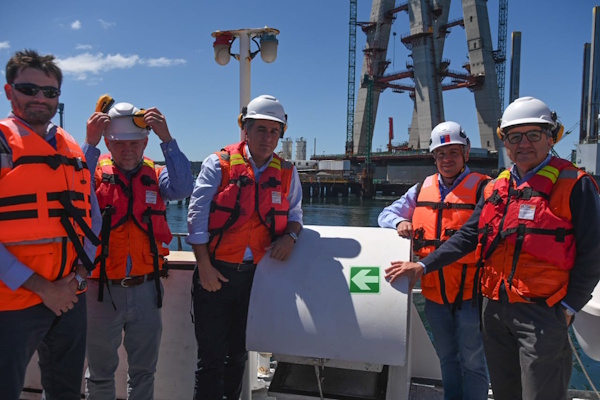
527 211
276 198
151 197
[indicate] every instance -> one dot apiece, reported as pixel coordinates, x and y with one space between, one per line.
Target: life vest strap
441 206
53 161
559 233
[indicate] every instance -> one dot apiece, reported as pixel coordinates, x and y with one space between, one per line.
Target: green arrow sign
364 279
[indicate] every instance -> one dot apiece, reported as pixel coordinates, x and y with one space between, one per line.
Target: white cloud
83 47
106 24
4 45
76 25
87 63
162 62
83 65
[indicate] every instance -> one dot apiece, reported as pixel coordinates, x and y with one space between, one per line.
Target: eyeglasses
31 89
516 137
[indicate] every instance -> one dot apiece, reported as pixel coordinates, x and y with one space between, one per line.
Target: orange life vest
245 213
434 222
135 211
45 209
527 234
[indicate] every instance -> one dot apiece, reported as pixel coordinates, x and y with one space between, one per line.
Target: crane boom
351 79
501 51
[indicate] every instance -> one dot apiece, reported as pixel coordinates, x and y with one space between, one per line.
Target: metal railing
179 236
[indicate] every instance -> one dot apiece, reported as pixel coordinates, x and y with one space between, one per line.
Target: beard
39 115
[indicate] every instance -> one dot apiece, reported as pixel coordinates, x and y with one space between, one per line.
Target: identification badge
527 211
276 197
151 197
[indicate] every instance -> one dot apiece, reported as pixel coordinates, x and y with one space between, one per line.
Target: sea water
352 211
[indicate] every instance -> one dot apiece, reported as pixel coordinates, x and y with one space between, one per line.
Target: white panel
304 306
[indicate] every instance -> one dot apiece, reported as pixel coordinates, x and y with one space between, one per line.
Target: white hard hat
265 107
447 133
126 123
525 111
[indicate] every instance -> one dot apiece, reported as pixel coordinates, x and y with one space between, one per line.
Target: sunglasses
31 89
516 137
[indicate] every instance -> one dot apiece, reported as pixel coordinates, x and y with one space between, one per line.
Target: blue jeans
139 318
220 326
60 342
459 346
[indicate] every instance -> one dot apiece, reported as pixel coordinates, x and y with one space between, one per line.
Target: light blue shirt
207 185
13 272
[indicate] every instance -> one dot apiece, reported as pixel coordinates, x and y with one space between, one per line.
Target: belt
130 281
241 267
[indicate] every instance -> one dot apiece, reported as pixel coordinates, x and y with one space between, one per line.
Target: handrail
179 242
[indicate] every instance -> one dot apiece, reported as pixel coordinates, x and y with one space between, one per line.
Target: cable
583 367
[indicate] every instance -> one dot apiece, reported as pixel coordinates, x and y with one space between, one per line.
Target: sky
157 53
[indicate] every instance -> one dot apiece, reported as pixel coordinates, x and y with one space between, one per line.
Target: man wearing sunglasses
538 225
46 244
125 290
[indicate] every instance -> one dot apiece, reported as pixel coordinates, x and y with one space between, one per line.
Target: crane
500 53
351 79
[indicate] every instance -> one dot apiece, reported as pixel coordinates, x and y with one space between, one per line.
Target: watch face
81 282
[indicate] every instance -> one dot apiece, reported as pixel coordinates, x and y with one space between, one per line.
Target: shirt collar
249 156
530 173
50 128
458 179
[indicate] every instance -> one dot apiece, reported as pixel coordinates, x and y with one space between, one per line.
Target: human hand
568 317
414 271
96 125
210 278
59 296
405 229
155 120
282 247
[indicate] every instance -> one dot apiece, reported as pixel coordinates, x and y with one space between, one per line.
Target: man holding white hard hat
132 193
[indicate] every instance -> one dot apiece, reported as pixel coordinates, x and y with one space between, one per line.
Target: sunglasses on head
31 89
516 137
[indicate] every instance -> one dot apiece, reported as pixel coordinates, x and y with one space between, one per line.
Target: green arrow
364 279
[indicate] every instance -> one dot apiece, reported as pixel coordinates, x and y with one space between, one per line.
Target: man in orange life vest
246 201
46 246
429 213
131 191
539 229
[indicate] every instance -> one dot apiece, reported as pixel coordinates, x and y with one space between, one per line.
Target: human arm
398 215
205 189
584 276
176 181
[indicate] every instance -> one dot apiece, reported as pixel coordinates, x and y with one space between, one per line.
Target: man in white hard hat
247 201
125 289
539 229
429 213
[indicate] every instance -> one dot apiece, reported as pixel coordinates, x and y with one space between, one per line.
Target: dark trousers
220 326
527 350
60 342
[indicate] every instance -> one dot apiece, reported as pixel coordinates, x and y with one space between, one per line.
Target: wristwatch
81 282
293 236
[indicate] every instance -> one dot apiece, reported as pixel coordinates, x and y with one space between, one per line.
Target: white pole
244 72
